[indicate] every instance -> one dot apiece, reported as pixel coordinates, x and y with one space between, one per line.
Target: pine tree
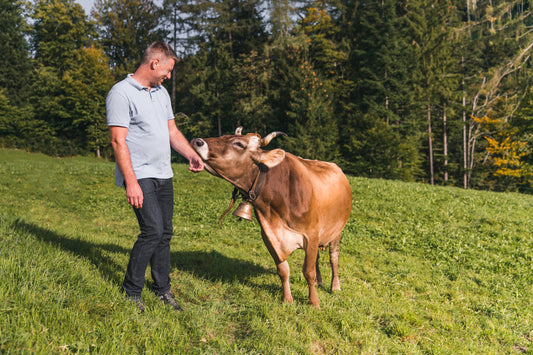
15 63
312 128
230 33
428 29
280 20
377 91
321 31
310 120
251 106
60 35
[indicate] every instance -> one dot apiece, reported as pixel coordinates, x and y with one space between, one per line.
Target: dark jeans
153 244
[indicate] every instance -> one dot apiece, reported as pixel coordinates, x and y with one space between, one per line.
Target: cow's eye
239 144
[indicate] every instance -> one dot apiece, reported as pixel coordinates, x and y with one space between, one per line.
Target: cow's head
233 157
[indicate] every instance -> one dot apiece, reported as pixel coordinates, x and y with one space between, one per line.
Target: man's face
162 69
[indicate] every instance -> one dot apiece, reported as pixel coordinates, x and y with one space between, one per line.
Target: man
141 122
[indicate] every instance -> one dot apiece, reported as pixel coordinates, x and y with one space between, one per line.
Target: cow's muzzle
201 147
198 144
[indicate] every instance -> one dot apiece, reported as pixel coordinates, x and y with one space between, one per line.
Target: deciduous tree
126 28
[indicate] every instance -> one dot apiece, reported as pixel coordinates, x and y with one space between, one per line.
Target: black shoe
168 298
138 302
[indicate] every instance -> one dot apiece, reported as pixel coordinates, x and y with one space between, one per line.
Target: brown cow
299 203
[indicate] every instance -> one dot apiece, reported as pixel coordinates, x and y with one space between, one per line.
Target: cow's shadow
215 266
208 265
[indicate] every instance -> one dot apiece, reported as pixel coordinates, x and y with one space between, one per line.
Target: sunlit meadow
424 270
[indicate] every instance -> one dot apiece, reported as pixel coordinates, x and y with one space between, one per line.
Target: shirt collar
138 86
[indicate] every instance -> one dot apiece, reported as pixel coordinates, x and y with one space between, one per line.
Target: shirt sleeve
117 108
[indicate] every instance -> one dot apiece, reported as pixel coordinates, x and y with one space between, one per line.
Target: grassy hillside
423 270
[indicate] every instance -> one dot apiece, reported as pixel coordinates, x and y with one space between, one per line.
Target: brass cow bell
244 211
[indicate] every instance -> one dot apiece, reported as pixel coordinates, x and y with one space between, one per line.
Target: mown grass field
424 270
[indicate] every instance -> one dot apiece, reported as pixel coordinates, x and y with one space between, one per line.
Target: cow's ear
272 158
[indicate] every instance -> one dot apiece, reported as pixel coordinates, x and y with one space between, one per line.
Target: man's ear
155 62
272 158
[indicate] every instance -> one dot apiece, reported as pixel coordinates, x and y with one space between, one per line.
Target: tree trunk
430 142
465 169
445 144
175 22
97 141
219 123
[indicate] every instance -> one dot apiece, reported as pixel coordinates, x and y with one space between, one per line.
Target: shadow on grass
97 254
216 266
206 265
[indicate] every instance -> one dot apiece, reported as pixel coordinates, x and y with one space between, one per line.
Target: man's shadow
210 266
100 255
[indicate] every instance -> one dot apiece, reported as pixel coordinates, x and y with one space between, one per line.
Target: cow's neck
249 186
251 193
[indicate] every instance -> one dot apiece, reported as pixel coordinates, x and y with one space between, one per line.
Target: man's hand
180 144
134 194
196 164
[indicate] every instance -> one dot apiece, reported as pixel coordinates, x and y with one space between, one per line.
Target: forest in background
417 90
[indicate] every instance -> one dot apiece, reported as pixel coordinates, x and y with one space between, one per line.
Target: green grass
424 270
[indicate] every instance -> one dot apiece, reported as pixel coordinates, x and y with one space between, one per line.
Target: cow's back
312 198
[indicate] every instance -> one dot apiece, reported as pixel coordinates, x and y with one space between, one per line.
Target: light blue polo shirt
146 114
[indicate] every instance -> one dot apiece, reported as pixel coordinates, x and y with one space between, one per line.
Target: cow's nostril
198 142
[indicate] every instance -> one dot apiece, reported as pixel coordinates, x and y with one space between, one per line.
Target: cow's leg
284 273
334 262
283 269
309 270
318 274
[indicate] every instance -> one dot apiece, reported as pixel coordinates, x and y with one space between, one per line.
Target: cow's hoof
287 300
335 286
315 305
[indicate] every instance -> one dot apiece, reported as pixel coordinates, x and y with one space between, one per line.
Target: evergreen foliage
126 28
392 89
15 66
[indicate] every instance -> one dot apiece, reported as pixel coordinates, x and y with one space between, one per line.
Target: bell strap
233 197
258 184
249 196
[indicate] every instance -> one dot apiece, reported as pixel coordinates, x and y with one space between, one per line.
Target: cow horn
267 139
238 131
